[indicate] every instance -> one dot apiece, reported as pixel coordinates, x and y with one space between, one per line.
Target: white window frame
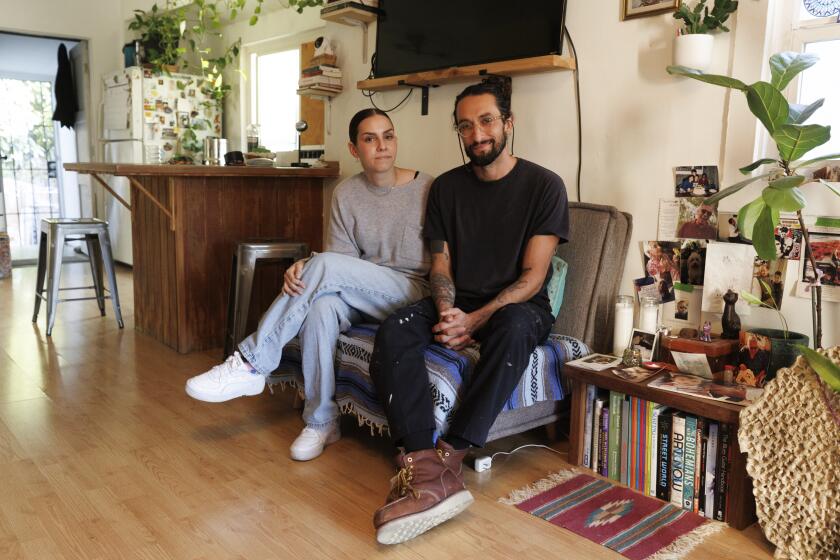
247 93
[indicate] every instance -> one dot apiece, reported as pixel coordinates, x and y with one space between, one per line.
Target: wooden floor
102 455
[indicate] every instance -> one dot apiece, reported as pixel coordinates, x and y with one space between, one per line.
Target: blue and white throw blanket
448 370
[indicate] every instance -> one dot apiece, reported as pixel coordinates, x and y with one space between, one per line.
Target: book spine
631 445
615 434
587 426
677 450
596 425
722 472
625 439
648 445
604 440
663 462
689 462
711 461
653 439
642 445
700 465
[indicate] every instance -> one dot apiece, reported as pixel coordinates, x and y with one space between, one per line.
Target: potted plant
693 45
160 35
785 124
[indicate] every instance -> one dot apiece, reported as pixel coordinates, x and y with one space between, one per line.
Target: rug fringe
350 408
526 492
686 543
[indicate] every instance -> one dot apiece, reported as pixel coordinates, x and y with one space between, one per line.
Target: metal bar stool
242 280
54 233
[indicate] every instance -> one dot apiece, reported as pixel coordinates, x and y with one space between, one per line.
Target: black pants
398 368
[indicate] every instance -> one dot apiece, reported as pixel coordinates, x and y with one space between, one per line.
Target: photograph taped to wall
685 309
696 180
647 287
768 282
661 262
826 249
696 219
729 266
728 229
693 262
639 8
788 239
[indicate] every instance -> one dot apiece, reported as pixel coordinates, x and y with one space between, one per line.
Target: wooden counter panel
138 170
153 243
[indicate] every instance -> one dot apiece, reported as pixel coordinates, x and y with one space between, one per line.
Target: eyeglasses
485 123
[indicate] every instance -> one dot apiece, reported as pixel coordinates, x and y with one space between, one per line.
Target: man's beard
489 157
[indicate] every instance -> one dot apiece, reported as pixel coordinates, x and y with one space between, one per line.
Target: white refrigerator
144 116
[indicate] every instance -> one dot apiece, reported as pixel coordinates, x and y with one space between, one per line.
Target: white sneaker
311 441
231 379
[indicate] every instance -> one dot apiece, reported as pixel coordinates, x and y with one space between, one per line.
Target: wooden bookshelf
740 501
535 65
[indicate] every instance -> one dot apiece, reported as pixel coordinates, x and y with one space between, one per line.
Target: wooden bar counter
186 222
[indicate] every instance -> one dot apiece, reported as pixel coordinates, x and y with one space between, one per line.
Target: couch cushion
541 381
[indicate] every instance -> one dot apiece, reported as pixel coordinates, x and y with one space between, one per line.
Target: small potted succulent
693 45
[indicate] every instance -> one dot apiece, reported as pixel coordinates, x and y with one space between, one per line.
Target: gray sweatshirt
382 225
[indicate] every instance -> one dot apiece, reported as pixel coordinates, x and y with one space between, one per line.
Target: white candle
623 325
648 315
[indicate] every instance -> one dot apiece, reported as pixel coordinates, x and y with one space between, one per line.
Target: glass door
30 184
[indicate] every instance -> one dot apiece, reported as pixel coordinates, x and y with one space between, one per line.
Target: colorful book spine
591 391
625 440
596 430
677 451
711 461
641 446
631 445
663 460
604 436
689 462
653 439
700 465
615 435
722 472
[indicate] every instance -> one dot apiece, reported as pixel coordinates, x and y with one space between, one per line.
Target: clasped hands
456 328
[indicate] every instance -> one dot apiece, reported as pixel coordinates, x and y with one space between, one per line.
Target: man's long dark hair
500 87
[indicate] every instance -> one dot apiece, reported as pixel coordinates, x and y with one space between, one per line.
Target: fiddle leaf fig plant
785 123
700 20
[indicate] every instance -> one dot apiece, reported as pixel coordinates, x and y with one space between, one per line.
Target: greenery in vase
785 123
699 19
160 34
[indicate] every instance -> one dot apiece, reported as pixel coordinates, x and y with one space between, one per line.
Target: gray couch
600 236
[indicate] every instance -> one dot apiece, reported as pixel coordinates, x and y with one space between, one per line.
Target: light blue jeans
340 290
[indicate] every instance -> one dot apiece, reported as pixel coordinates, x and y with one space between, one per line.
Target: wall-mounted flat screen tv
418 35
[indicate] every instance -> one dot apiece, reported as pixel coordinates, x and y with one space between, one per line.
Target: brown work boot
425 493
452 458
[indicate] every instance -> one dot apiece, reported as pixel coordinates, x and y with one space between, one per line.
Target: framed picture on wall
638 8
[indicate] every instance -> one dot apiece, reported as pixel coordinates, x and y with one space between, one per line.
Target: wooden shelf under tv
534 65
741 504
349 14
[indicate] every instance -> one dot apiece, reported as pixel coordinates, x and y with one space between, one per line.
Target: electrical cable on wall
577 104
370 93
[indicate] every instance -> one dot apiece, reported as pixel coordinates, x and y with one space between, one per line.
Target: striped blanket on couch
448 370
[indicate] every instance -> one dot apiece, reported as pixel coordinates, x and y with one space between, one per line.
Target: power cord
485 462
577 104
370 93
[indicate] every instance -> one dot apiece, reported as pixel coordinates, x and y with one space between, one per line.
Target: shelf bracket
424 95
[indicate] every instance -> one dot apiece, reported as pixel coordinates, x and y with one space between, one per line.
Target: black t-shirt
487 225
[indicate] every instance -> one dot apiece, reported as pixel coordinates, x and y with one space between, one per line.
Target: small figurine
706 335
730 321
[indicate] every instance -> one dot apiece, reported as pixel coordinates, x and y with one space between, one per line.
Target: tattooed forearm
443 290
521 284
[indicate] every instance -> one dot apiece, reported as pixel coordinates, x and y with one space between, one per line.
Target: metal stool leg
42 274
95 260
230 343
246 261
55 253
108 262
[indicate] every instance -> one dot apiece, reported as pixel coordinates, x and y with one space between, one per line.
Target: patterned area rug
635 526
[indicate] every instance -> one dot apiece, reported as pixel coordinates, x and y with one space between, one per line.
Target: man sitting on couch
493 227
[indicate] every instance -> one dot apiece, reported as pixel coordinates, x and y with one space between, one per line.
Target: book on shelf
653 439
700 466
321 70
603 438
689 461
323 91
625 439
677 457
722 472
591 391
596 432
711 462
614 470
319 81
663 461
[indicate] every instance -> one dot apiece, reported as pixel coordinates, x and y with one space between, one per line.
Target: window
274 104
820 36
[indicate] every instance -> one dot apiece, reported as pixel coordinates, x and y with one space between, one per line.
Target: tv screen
418 35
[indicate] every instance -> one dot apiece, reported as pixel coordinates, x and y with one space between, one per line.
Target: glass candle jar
649 314
623 323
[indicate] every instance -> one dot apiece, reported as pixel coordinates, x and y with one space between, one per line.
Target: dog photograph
693 262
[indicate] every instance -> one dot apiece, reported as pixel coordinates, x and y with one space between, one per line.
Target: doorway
33 147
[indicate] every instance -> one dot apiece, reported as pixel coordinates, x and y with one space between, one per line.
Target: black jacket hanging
66 104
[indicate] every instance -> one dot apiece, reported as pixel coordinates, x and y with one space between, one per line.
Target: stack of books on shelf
664 453
322 77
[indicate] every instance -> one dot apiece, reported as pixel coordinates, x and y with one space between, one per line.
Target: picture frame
646 342
640 8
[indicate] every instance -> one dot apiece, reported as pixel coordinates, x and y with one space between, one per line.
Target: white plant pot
693 51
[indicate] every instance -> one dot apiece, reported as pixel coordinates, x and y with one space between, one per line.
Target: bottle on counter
252 133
